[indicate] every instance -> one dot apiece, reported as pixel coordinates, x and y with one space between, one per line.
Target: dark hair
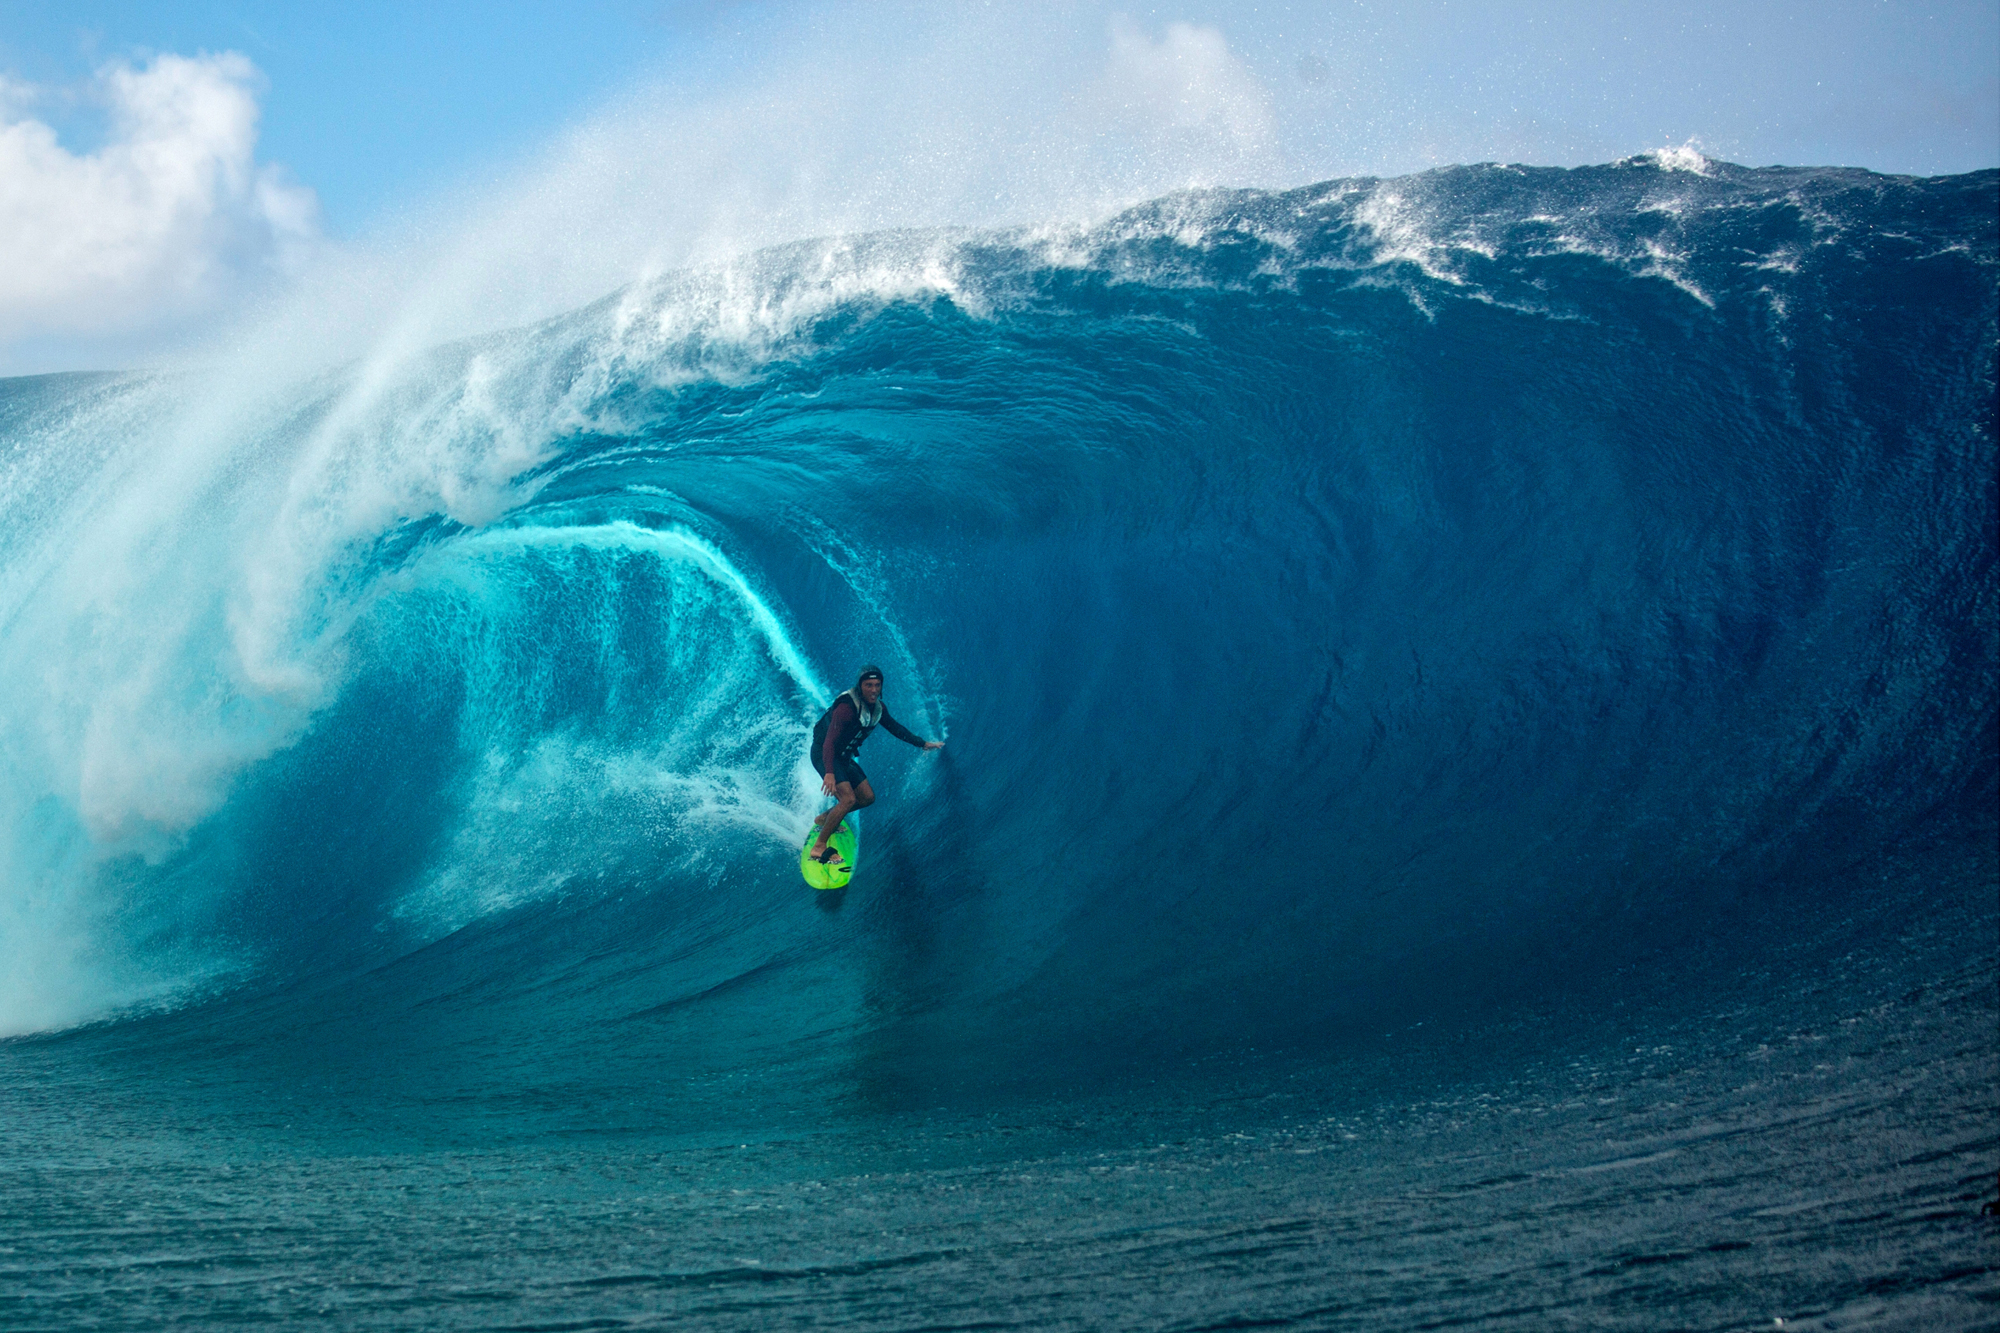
870 672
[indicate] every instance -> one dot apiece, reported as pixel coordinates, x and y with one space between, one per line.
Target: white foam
549 812
1783 260
560 817
1686 157
1669 265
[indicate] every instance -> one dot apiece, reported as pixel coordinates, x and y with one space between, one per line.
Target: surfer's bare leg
828 820
846 798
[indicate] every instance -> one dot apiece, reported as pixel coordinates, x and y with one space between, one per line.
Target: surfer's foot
828 856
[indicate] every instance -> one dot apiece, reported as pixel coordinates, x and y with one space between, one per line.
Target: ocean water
1469 798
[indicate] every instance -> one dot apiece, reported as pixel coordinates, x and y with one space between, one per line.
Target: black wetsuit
837 738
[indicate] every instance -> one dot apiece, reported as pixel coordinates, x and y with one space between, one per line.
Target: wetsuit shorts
846 770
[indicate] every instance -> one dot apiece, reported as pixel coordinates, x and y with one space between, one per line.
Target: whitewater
1470 797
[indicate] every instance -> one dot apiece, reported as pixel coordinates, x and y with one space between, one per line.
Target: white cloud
164 221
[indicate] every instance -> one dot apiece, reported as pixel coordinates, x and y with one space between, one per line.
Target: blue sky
343 125
371 104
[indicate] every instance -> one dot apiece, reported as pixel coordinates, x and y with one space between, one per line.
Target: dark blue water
1469 797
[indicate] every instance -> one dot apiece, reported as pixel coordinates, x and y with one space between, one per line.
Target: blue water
1469 792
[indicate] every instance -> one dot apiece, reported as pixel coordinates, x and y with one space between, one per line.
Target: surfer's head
869 683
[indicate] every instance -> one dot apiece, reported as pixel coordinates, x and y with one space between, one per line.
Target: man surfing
836 740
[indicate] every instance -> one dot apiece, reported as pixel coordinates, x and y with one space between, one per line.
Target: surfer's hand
826 784
933 745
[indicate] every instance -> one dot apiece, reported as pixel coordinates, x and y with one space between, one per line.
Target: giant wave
1378 601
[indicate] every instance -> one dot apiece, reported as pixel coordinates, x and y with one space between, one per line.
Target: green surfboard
829 877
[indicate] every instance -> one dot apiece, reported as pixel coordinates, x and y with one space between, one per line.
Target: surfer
837 739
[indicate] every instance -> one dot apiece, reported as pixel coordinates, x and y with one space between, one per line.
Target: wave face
1383 598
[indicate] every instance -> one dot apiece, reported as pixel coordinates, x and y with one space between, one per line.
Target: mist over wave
1382 597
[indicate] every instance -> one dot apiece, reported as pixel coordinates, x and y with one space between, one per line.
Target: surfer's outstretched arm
903 733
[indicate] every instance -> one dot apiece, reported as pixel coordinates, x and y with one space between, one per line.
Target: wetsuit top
845 725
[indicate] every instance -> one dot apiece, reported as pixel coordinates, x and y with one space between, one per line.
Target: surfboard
829 877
